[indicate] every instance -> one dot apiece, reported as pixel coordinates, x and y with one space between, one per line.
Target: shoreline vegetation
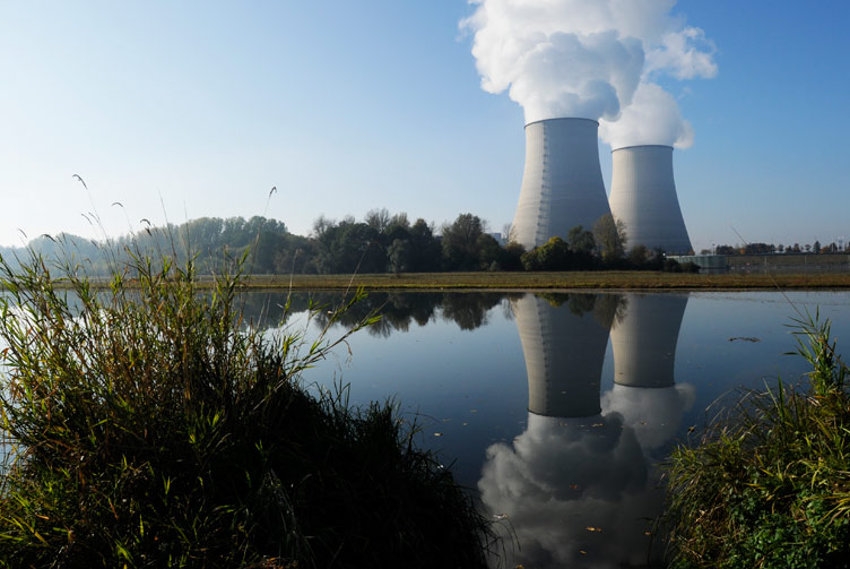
148 425
767 483
650 280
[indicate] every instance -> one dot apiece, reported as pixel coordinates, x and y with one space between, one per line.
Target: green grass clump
769 486
147 425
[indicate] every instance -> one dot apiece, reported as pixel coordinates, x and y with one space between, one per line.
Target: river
558 410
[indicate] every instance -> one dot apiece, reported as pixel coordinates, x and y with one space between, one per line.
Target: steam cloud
596 59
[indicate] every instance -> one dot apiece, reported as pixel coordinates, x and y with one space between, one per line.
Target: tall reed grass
148 425
769 484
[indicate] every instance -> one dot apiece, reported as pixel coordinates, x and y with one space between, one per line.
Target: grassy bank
649 280
769 484
148 425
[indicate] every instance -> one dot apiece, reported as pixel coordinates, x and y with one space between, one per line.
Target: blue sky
191 109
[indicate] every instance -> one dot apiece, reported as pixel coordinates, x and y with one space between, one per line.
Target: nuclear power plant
643 196
562 187
562 184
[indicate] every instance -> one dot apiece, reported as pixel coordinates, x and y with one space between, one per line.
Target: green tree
461 246
582 245
638 255
554 255
399 255
610 237
512 256
426 251
350 247
490 253
580 240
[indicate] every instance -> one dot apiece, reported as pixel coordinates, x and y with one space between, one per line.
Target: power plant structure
562 184
562 187
643 197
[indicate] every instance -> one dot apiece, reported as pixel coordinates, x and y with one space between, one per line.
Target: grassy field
557 281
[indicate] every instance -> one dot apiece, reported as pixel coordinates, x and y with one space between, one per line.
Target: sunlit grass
650 280
769 484
148 425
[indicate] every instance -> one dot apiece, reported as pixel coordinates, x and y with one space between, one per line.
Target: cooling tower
562 183
643 196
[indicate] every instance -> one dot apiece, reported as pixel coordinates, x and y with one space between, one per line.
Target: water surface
558 409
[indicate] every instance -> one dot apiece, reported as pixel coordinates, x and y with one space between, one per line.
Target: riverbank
631 280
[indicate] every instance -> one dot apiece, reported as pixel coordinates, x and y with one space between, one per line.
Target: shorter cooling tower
562 184
643 197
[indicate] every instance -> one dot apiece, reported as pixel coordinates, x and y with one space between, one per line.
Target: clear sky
178 110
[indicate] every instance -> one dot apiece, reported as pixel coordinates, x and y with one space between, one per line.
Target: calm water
558 409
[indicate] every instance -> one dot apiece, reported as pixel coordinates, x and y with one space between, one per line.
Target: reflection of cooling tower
643 196
562 183
644 342
564 353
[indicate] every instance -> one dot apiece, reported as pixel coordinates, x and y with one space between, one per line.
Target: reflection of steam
654 414
577 485
574 491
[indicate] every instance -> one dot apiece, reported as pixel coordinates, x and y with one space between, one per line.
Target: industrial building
562 184
643 196
562 187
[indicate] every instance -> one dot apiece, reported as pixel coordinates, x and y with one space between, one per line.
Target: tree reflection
400 310
469 310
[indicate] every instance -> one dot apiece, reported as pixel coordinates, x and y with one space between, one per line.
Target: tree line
379 243
815 248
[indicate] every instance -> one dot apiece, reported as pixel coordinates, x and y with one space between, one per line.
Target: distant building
643 197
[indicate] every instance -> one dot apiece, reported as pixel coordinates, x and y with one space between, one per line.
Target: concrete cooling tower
643 196
562 184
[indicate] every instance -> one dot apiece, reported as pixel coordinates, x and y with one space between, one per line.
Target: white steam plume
653 117
590 59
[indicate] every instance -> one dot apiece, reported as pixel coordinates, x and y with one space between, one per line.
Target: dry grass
556 281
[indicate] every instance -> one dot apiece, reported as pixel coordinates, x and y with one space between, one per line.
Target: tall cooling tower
643 196
562 182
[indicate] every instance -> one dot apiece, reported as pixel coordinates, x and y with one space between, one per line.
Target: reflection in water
644 341
399 310
578 487
644 346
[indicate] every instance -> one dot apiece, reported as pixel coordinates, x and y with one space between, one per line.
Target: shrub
149 426
769 486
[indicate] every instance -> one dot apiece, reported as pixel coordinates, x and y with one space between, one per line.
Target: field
647 280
